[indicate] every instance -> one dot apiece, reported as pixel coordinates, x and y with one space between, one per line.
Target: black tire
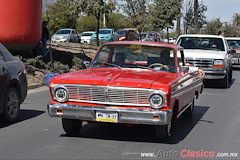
225 82
189 111
71 126
230 75
11 108
163 131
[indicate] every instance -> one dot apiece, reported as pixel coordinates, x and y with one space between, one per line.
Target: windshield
105 32
87 34
135 56
233 44
122 32
202 43
63 32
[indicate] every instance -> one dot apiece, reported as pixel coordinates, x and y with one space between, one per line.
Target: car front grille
109 95
201 63
236 55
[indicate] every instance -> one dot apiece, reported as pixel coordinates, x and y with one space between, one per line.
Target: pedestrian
45 37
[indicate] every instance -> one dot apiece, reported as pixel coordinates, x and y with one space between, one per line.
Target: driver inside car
120 59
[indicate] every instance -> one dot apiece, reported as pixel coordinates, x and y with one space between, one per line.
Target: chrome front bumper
125 115
215 74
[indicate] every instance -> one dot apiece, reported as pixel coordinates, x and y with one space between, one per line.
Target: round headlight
156 101
61 95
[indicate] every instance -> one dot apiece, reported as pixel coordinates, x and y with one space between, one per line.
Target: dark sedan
13 85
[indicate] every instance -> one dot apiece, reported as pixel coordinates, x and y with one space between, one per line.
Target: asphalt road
213 130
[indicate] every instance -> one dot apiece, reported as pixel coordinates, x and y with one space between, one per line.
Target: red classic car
128 82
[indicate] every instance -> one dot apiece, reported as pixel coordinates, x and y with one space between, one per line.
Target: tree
214 27
236 23
87 23
164 12
116 21
189 15
62 14
137 12
97 8
229 30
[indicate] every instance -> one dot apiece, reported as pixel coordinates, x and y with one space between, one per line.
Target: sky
223 9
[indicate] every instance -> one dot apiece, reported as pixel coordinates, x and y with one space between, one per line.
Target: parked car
106 35
234 46
127 35
172 40
141 90
142 36
66 35
152 36
209 52
86 36
13 85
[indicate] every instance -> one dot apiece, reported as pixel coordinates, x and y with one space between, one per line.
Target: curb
34 85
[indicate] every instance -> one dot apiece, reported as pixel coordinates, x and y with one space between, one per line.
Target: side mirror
86 63
184 68
232 51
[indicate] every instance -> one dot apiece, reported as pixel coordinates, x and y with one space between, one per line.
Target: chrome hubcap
12 104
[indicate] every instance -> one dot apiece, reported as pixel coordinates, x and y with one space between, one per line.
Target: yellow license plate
106 116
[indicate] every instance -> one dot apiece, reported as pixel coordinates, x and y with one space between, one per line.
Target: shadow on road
216 84
24 115
142 133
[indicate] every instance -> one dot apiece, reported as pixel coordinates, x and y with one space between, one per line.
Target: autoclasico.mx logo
187 153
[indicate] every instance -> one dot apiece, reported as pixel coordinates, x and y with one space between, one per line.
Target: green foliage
63 14
164 12
116 21
57 67
36 62
214 27
236 23
77 63
87 23
137 13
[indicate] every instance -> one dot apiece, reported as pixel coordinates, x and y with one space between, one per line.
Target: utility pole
196 16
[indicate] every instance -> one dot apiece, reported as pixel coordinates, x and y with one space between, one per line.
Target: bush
36 62
57 67
77 63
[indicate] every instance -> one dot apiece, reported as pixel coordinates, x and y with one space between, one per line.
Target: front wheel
225 81
71 126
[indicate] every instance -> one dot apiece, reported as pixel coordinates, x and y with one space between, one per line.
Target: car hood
197 53
118 77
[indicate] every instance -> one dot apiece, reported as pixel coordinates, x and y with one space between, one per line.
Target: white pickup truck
210 53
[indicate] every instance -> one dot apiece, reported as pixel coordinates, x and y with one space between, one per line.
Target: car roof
201 35
89 32
106 29
67 29
232 38
159 44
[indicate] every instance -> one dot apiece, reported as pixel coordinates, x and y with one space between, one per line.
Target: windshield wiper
143 67
108 64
